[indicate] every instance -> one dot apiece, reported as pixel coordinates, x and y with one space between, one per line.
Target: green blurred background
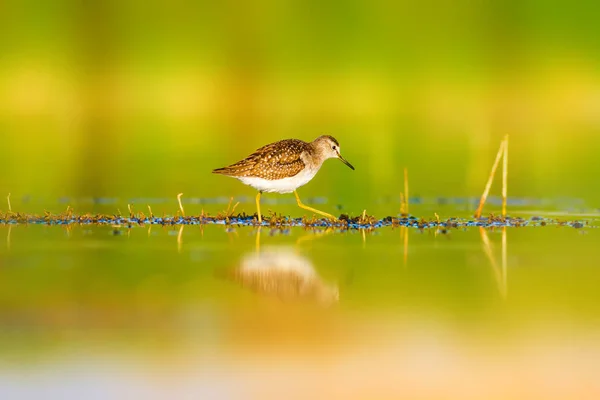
143 99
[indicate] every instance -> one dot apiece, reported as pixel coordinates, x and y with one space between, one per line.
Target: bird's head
328 147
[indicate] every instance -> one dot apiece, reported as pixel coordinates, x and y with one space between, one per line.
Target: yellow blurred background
133 99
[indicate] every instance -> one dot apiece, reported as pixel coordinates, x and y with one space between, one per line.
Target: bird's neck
315 157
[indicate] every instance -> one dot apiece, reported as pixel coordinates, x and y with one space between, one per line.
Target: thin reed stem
490 180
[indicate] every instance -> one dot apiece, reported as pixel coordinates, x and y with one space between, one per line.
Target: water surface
211 311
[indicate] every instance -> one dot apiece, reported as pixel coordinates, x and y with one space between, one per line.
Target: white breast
285 185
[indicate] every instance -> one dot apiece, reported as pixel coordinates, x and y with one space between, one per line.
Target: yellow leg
258 207
312 209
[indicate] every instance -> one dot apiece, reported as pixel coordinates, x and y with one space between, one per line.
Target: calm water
213 313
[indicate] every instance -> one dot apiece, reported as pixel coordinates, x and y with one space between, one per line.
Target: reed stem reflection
500 274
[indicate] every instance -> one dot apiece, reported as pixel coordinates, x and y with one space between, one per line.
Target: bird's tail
222 171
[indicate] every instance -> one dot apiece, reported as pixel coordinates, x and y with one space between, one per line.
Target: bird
284 166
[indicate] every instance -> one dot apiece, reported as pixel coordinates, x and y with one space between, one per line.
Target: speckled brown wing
274 161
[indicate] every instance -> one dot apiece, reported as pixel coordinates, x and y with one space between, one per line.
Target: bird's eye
333 147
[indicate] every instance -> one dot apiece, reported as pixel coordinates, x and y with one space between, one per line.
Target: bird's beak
342 159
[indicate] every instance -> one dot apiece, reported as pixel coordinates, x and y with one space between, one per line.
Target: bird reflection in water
282 272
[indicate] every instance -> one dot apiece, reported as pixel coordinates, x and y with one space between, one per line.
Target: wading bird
284 166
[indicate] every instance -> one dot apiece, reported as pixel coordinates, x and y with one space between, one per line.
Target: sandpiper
284 166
